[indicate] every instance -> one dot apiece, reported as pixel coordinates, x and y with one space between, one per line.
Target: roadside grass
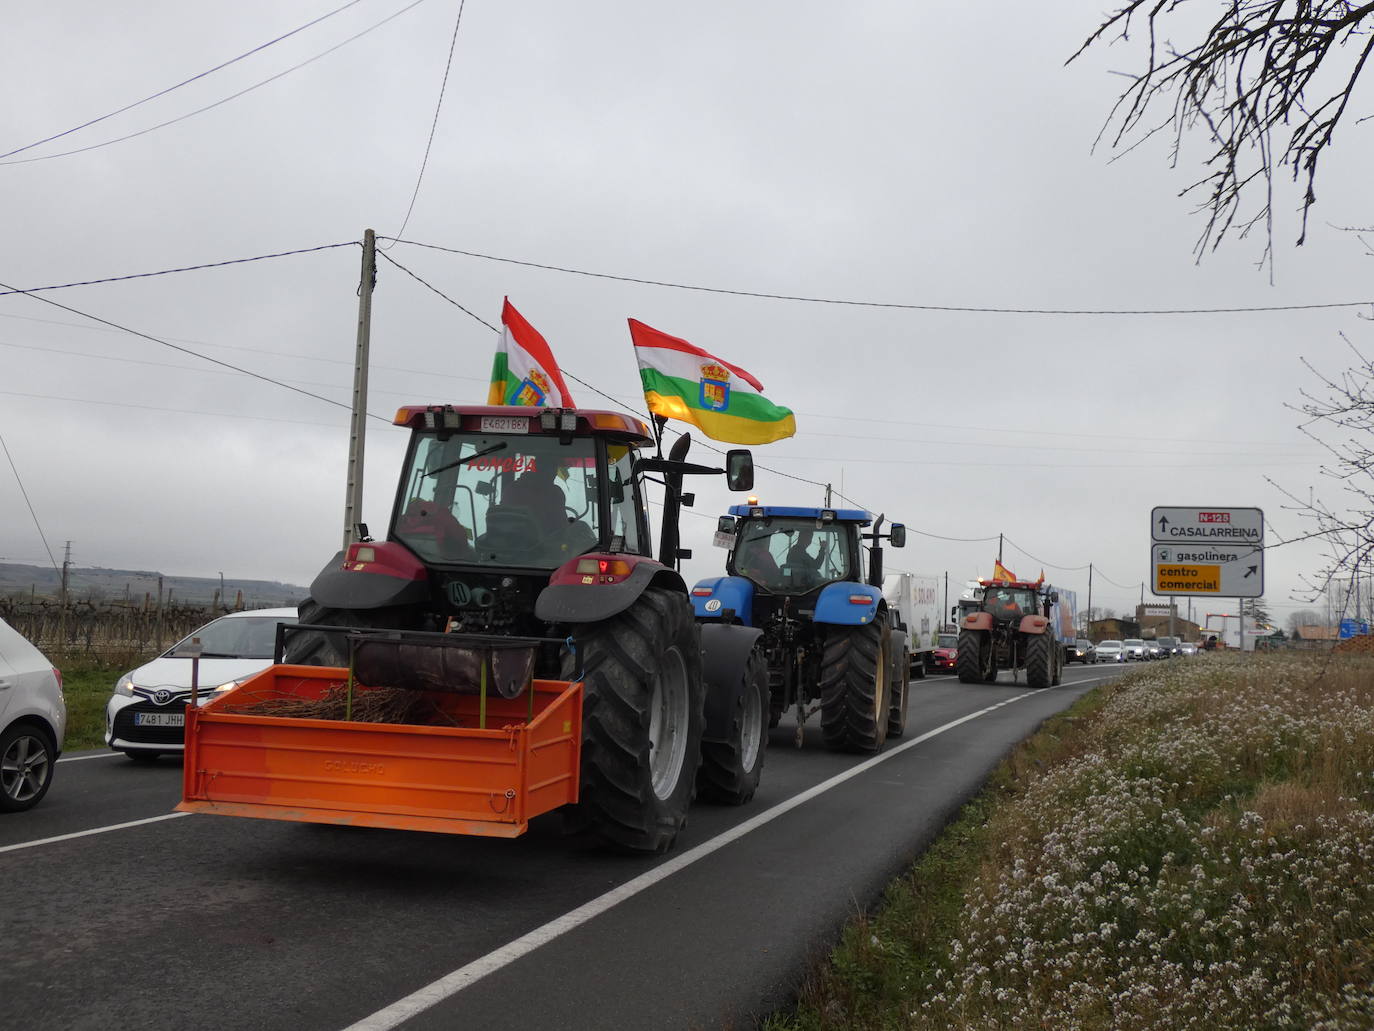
1190 847
87 684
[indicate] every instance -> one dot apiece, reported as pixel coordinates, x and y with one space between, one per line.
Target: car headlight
125 685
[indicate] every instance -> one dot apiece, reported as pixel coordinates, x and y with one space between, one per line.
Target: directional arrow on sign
1250 571
1163 522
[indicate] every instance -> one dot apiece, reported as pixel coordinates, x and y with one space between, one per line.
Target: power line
218 103
892 305
20 480
433 127
185 82
1066 569
8 291
170 411
187 350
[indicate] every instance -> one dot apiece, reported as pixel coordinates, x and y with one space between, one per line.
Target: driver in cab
1005 605
544 499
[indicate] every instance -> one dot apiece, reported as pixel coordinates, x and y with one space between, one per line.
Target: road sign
1207 526
1225 570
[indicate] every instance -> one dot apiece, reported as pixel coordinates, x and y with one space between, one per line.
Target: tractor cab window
626 511
1011 602
502 500
792 556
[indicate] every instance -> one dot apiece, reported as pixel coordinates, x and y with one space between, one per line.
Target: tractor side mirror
726 524
739 469
898 535
1054 597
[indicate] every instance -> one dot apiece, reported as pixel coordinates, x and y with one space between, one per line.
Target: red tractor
532 523
1010 629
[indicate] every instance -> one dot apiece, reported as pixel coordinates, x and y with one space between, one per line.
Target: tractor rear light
604 570
701 592
860 599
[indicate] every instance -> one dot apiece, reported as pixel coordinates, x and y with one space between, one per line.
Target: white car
1136 649
1111 651
146 715
33 721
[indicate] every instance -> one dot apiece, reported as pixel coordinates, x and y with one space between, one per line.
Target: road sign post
1208 551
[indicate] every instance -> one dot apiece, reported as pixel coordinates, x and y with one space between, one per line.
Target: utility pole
353 499
999 549
827 495
62 620
1088 623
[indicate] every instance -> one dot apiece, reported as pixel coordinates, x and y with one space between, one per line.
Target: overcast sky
922 154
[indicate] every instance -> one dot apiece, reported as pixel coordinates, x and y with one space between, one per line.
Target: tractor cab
795 554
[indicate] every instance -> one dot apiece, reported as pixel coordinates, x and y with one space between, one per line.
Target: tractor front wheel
901 690
976 663
642 720
854 686
730 770
1040 666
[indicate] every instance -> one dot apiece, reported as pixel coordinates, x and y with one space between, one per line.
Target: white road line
465 976
96 755
93 830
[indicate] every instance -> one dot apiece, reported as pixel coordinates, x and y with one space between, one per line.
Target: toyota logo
162 696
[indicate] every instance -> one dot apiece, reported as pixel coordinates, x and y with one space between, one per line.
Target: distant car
1135 649
1171 646
1110 651
1187 648
946 651
1154 650
146 715
33 721
1083 651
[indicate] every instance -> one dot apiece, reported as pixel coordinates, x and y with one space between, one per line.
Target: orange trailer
483 764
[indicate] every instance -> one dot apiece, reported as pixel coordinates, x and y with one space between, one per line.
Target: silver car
1135 649
1110 651
33 720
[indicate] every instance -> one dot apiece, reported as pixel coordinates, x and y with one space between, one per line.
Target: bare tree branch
1269 83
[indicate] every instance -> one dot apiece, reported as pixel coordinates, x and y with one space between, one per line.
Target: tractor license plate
159 719
505 424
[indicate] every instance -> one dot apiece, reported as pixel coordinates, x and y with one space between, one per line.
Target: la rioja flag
681 381
524 372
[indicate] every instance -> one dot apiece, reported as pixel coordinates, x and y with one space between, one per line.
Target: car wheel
26 765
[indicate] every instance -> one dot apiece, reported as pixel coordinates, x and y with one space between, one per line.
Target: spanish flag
684 382
1001 574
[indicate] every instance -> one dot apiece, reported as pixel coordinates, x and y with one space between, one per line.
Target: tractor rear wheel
730 770
642 718
322 649
901 689
1040 649
855 667
975 663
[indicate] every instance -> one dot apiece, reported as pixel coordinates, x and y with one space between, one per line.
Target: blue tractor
797 574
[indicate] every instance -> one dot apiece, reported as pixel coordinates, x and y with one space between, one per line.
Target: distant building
1316 638
1154 622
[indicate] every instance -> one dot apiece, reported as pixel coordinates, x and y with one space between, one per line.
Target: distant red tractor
1010 629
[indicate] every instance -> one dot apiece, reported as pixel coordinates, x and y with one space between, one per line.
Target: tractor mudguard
725 649
834 605
586 598
393 577
977 621
710 598
1033 624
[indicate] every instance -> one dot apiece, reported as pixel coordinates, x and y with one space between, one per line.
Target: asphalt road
179 922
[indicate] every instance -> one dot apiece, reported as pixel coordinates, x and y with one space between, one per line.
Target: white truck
915 601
